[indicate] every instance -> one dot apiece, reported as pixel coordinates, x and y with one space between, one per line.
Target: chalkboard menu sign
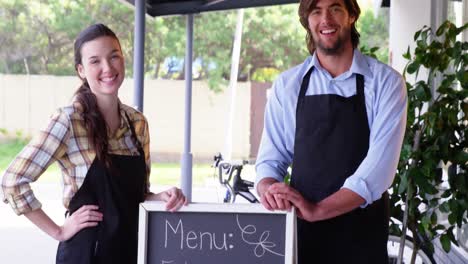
215 233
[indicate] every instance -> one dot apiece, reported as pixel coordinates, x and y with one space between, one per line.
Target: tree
164 39
42 33
274 38
15 39
374 32
435 138
37 38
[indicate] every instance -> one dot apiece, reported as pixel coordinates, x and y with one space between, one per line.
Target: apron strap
304 86
140 149
360 95
360 85
134 136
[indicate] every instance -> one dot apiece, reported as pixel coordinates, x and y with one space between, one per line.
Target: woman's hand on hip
86 216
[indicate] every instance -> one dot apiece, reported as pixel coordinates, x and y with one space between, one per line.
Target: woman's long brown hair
94 120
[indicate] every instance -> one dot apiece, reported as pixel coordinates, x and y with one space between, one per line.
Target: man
339 119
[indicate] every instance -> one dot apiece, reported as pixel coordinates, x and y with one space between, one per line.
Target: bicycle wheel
393 246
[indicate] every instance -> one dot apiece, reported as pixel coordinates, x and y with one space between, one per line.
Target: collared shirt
385 98
65 140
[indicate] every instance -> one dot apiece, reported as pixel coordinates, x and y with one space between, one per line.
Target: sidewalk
22 242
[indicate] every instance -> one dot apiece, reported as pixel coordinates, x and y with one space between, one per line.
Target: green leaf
434 203
452 174
452 218
407 55
434 219
421 46
403 184
465 45
444 207
446 194
416 35
462 77
445 241
451 236
413 67
461 29
442 28
421 93
425 221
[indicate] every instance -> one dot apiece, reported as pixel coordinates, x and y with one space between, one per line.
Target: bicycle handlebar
232 170
218 158
228 167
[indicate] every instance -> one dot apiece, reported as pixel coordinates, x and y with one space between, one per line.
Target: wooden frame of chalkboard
216 233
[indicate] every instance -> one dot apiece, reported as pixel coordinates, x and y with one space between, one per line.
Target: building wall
257 115
26 103
406 17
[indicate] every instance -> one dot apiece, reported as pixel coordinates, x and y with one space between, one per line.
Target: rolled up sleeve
377 171
273 157
31 162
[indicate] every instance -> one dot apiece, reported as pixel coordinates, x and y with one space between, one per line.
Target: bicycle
229 175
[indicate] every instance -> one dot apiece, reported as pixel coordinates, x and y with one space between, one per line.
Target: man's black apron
117 192
332 139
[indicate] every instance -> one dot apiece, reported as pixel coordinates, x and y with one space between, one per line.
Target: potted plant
432 175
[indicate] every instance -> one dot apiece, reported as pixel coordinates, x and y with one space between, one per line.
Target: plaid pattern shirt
65 141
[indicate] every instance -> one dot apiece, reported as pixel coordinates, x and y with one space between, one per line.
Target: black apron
117 192
331 141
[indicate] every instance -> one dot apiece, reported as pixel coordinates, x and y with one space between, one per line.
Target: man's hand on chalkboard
271 201
173 197
340 202
306 210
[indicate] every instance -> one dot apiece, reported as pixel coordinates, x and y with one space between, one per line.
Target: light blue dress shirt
386 100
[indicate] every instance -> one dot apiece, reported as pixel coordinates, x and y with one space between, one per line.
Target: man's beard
337 47
333 50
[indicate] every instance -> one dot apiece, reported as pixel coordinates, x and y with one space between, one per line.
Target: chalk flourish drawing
263 245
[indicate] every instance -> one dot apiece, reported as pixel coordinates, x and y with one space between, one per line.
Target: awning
183 7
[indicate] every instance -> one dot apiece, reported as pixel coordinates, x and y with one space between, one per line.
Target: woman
102 148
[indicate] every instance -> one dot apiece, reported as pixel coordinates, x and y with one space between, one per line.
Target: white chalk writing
197 240
263 245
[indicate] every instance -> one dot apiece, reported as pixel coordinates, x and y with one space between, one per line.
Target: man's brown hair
306 6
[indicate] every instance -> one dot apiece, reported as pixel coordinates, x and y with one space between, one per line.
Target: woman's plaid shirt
65 141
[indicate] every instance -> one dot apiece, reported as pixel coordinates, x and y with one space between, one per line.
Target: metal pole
186 161
138 55
438 16
465 18
438 13
227 155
